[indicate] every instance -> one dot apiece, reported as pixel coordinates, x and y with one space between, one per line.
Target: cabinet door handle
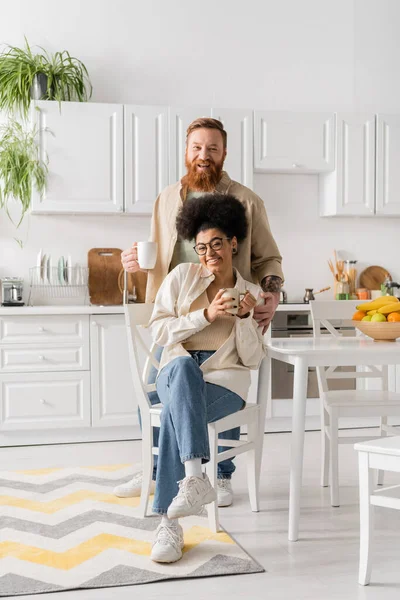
42 401
41 357
94 323
296 166
41 329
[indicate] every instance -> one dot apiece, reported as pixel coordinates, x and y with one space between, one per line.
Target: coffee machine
12 291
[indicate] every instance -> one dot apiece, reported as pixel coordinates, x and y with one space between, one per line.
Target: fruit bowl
380 332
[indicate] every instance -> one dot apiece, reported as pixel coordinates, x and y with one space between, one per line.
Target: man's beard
203 181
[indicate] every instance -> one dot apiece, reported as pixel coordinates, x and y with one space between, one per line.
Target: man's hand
263 313
129 259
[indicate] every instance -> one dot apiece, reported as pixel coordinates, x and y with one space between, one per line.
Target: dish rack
67 282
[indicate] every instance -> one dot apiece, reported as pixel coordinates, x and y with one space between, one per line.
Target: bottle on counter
351 272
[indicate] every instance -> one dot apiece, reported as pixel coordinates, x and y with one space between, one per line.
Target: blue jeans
189 403
225 467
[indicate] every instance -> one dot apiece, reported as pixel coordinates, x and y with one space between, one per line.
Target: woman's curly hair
212 211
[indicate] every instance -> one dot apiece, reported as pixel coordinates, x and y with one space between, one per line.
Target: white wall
308 55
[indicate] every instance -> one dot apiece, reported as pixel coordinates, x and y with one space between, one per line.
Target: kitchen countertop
98 310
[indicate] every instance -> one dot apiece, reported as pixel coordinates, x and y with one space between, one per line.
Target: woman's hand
246 305
129 259
218 307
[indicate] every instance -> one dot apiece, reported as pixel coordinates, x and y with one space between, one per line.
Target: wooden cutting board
372 277
104 267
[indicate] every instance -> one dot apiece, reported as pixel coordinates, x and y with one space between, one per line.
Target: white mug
147 254
235 296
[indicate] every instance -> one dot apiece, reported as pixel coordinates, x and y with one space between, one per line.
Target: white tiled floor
322 565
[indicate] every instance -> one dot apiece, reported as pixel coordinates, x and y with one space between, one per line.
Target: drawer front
23 358
27 329
44 400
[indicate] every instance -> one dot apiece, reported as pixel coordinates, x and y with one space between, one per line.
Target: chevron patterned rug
63 529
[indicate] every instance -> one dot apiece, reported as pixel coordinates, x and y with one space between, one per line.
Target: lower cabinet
65 379
113 401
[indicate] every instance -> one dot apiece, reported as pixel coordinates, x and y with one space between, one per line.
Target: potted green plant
25 75
21 167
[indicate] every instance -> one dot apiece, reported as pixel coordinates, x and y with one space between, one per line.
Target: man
258 258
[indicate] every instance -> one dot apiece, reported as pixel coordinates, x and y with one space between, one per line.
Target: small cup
234 293
147 254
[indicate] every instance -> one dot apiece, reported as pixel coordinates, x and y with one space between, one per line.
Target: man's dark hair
212 211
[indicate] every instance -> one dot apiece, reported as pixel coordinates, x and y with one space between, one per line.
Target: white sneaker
224 492
167 546
133 487
192 495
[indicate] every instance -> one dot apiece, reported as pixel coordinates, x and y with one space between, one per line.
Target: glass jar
351 272
342 290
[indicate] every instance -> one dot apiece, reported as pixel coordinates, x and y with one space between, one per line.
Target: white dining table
303 353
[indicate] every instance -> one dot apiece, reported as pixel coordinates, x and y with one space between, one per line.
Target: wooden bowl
380 332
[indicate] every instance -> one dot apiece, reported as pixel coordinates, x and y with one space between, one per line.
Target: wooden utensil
372 277
325 289
104 267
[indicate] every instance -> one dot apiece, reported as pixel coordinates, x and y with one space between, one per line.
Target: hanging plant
21 167
25 75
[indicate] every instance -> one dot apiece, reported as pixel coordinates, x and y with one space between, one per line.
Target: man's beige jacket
257 257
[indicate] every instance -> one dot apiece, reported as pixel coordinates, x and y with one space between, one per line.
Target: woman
204 369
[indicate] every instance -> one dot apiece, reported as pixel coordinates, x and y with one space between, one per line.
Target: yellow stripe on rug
54 506
74 556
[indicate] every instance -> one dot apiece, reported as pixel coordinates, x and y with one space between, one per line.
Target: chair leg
334 458
383 433
212 508
324 447
366 519
253 458
147 468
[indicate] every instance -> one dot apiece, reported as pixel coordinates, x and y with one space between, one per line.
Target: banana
388 308
372 312
377 303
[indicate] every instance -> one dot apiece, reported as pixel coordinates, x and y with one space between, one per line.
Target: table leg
297 450
366 519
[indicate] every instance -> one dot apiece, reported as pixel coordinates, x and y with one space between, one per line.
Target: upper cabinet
366 179
291 142
387 165
350 189
146 156
238 124
84 145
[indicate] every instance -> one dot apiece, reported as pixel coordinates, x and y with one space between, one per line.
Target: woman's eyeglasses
215 244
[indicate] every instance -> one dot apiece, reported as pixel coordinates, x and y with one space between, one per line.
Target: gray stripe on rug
50 486
16 585
75 523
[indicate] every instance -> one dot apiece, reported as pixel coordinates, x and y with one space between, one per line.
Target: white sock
193 468
168 522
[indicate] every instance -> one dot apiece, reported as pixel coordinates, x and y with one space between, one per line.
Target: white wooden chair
347 403
141 352
383 454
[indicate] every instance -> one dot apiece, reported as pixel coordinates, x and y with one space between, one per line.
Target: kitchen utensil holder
48 285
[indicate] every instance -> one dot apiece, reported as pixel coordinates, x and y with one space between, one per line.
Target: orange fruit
358 315
393 317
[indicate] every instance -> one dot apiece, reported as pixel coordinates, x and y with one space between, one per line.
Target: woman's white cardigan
171 324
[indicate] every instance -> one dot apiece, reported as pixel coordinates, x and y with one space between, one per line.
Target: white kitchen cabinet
84 144
44 401
179 121
146 156
238 123
113 399
291 142
350 189
387 165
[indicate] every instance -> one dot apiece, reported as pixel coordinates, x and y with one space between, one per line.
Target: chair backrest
141 351
326 317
